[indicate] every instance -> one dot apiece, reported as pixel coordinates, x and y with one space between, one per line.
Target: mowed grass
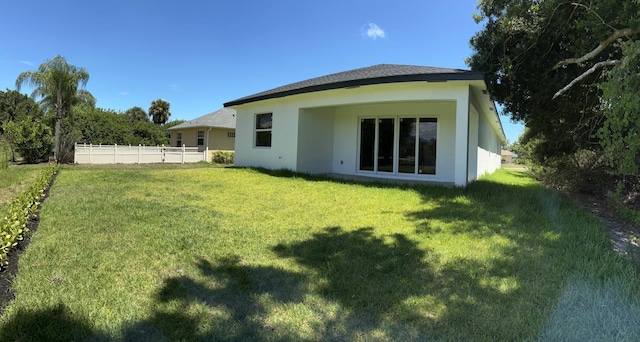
238 254
14 180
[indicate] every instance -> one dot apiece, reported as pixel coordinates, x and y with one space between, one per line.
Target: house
507 156
398 122
213 132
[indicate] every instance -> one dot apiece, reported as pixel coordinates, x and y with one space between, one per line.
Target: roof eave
197 126
467 76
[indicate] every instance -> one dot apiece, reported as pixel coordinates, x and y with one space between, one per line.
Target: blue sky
198 54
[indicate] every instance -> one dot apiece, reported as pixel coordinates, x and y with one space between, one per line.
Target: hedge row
223 157
14 225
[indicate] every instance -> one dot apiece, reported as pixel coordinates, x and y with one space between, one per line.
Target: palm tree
136 114
159 111
57 83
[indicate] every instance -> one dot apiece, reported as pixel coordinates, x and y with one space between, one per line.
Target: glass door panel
385 145
407 146
367 144
427 146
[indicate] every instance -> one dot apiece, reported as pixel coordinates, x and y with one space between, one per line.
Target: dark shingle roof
377 74
221 118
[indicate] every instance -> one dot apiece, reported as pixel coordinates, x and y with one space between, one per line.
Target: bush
223 157
31 137
13 226
582 171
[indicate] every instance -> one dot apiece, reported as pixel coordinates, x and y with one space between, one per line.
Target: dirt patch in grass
8 273
625 236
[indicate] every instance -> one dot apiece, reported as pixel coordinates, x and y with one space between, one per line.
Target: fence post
162 153
90 153
183 149
206 153
75 153
115 152
139 148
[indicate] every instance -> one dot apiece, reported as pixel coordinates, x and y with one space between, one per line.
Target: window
179 140
263 130
231 134
402 145
200 138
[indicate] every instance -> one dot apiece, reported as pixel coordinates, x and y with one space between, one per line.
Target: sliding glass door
400 145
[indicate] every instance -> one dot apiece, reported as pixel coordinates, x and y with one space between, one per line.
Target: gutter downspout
206 150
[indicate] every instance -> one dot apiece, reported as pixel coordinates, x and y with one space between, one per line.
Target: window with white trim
231 134
263 130
178 139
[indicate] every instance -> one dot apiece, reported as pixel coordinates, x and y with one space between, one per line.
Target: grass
14 179
180 253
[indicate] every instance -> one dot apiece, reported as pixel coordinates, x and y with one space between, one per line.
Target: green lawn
204 253
14 180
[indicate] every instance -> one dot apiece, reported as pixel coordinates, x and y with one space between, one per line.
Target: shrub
14 225
223 157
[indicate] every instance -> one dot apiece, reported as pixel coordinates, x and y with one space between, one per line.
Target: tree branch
594 13
615 35
587 73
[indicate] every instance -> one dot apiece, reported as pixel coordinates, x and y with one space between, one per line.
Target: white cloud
26 63
373 31
123 93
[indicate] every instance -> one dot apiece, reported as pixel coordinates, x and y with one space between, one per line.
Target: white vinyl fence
127 154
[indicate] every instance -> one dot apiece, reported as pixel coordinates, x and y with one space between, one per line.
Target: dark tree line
569 71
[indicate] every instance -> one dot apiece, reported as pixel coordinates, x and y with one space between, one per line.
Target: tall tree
544 61
136 114
159 111
58 86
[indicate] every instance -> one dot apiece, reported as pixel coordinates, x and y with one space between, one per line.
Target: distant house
507 156
213 132
398 122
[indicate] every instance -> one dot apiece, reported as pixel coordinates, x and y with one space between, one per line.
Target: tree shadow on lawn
236 302
56 323
392 286
544 244
386 287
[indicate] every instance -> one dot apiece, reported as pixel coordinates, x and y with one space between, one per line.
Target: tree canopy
15 106
546 61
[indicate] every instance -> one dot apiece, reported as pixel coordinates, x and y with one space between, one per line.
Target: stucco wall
488 148
283 152
315 140
473 143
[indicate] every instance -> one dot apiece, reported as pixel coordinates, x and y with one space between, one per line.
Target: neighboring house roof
377 74
221 118
506 153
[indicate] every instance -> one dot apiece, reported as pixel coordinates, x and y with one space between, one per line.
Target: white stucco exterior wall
472 173
315 140
488 147
283 151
